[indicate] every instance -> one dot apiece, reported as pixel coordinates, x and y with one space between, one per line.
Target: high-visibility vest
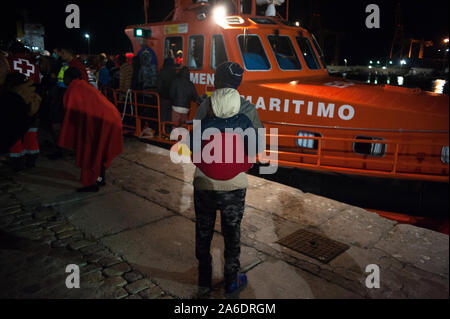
61 75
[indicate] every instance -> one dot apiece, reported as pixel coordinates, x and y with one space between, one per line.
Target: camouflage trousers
231 206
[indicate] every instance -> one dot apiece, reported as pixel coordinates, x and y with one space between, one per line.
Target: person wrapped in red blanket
92 127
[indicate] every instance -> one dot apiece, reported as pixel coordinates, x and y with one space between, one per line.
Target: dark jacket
14 121
165 79
182 91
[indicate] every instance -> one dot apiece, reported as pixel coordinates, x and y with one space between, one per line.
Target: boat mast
146 10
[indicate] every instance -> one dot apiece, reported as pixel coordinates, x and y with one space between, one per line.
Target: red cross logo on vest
24 67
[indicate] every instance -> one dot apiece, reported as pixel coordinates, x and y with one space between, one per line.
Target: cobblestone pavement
135 238
36 245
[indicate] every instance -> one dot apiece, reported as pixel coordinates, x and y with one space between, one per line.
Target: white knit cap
225 102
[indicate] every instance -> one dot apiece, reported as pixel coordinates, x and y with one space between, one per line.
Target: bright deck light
219 14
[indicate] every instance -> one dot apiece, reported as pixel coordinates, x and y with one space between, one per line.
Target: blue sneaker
237 286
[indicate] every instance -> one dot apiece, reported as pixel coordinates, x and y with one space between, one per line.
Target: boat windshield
319 50
284 52
196 48
218 51
308 53
246 6
253 54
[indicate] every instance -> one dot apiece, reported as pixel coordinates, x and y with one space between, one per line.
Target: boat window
196 49
218 51
319 50
308 53
372 149
246 6
173 48
253 54
306 142
284 52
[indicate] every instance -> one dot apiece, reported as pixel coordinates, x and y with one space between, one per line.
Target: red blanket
92 126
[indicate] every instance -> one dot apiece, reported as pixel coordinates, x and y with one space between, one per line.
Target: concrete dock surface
135 238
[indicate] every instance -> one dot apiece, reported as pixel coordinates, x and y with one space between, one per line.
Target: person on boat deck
148 69
179 58
92 127
126 73
182 93
165 78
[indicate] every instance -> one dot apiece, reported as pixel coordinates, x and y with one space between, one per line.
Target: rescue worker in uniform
25 151
68 55
18 105
56 113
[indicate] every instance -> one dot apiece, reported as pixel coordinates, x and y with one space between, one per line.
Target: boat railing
141 115
392 165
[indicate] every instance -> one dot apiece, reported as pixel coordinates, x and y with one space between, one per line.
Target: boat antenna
146 10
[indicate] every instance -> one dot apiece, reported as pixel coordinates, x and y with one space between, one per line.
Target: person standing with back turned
219 186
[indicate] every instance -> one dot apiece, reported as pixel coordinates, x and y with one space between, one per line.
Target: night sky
106 20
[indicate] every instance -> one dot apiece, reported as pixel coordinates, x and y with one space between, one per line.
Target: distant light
446 50
439 86
384 68
390 62
293 82
370 66
87 36
402 62
378 62
446 40
297 23
400 80
371 62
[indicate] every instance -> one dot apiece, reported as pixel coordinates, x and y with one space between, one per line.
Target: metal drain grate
315 246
